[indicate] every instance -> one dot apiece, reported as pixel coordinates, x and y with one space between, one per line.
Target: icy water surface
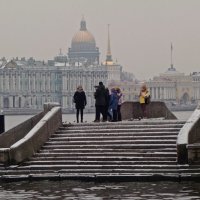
100 191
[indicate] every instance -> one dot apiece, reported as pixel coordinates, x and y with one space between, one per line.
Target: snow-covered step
133 137
103 158
121 133
97 166
128 126
106 154
110 146
106 130
108 142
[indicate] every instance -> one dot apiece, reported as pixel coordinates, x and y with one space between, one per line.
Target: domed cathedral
83 46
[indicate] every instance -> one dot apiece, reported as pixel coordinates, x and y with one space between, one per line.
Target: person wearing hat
80 102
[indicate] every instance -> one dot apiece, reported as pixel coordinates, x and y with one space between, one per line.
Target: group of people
107 103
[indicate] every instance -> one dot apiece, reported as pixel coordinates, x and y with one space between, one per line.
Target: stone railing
24 140
156 109
188 141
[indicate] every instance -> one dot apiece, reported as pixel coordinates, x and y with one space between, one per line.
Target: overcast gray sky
141 31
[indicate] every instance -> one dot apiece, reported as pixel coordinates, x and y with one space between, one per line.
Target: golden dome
83 36
83 45
83 39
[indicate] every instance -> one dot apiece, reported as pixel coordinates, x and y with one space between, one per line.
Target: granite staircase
131 150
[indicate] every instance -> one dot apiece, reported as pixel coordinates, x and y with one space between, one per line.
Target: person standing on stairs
100 96
80 102
143 97
120 96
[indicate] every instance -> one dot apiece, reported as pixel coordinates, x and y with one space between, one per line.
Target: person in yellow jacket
144 98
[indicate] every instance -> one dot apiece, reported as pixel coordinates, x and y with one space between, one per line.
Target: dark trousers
77 115
109 116
100 110
119 116
144 110
114 116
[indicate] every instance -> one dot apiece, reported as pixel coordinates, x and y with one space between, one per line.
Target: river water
74 190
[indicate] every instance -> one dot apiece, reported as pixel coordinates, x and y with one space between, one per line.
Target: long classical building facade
30 86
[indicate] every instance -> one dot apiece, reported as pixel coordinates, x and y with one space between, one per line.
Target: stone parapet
193 153
13 135
189 136
29 137
156 109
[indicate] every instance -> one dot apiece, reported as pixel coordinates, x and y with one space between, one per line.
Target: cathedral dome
83 39
83 46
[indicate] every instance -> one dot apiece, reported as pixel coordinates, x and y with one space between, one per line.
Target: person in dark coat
119 95
80 101
113 104
100 102
108 115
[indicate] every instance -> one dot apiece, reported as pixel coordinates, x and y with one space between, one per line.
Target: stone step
100 158
114 134
95 167
85 172
125 126
143 122
110 142
108 150
117 130
119 137
79 172
110 146
156 155
95 163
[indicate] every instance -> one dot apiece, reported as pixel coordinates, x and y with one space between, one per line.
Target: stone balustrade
156 109
188 142
22 141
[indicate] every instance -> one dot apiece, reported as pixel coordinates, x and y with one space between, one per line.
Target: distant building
30 83
83 45
175 87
